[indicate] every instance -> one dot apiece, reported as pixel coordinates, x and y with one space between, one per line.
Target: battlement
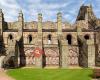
85 16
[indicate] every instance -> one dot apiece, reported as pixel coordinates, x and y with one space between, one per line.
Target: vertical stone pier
38 60
59 33
64 54
91 53
19 37
1 33
1 22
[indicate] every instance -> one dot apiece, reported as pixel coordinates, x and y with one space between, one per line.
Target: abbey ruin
63 44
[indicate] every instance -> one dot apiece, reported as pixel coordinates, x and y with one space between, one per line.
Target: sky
48 8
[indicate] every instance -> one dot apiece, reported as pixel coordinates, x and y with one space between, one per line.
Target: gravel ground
4 76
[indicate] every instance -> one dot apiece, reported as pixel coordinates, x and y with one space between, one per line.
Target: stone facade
63 44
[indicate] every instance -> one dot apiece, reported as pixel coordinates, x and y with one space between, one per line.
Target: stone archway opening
49 38
86 37
10 37
69 39
30 38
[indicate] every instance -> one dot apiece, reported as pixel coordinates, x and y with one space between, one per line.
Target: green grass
50 74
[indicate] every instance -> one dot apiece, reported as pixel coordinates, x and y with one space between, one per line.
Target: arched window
86 37
69 39
49 39
10 37
30 38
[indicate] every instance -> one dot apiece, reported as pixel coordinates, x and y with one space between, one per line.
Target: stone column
91 53
39 41
64 54
1 21
79 28
18 55
59 27
20 25
38 60
59 23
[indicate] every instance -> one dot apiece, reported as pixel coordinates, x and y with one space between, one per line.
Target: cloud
10 9
48 8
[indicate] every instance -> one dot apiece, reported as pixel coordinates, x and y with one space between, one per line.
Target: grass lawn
50 74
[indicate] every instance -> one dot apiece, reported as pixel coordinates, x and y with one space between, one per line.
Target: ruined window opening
30 38
49 39
86 37
69 39
10 37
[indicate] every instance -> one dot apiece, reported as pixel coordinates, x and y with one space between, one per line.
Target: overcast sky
48 8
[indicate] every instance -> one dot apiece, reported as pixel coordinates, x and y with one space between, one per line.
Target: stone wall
63 44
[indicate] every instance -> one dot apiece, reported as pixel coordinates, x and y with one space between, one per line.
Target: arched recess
30 38
86 37
69 39
10 37
49 38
